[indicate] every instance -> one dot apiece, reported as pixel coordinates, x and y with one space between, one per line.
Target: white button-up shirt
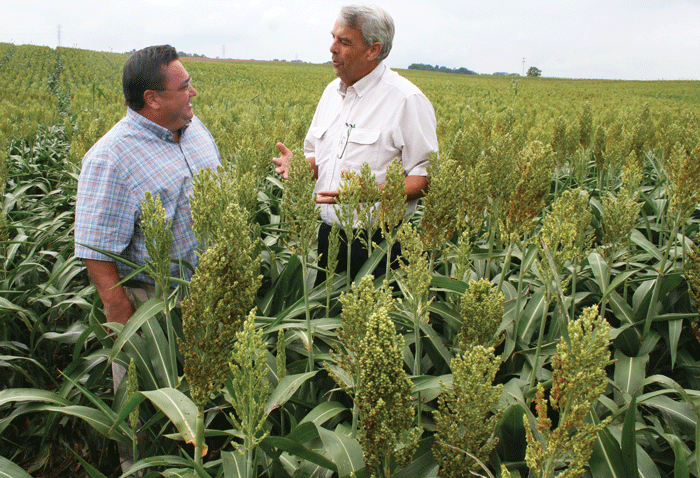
381 117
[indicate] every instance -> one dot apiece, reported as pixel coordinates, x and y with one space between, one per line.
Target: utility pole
59 35
523 66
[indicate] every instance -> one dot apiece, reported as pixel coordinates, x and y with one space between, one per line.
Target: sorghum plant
467 414
533 169
585 122
301 214
566 233
249 389
357 304
444 203
578 380
683 170
564 239
370 195
559 141
222 291
348 202
392 206
415 286
692 275
159 238
384 397
132 386
621 211
212 191
482 312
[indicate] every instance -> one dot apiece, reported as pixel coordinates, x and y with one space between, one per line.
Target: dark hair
145 70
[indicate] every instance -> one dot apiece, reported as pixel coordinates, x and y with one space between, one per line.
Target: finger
284 151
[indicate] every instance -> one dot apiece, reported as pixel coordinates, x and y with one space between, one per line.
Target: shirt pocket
315 140
362 147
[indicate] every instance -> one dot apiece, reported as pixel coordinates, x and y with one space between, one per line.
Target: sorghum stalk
384 397
443 215
358 303
249 389
683 170
565 237
533 166
159 238
332 264
347 203
301 213
132 386
467 417
578 380
222 291
481 310
415 285
392 208
370 195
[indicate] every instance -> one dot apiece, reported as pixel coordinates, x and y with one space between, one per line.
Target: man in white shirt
369 114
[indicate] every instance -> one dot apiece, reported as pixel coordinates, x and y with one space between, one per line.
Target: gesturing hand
282 163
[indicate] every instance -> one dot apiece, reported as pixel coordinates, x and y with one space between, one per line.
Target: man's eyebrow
341 38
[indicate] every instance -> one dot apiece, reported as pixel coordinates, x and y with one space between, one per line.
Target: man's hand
118 308
326 197
282 162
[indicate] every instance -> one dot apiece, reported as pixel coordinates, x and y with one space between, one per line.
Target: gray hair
373 21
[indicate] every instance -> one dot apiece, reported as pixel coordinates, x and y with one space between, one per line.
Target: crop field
543 320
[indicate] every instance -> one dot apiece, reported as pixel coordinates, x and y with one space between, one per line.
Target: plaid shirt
136 156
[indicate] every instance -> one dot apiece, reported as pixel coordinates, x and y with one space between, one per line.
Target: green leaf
679 413
297 449
628 443
529 321
680 464
638 239
606 459
429 386
629 371
181 411
31 395
323 412
674 335
345 451
443 283
140 317
599 267
423 463
11 470
621 308
234 464
160 354
285 389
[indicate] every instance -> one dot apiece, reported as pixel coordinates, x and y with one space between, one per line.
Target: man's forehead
342 30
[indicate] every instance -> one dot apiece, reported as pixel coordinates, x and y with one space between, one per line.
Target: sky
603 39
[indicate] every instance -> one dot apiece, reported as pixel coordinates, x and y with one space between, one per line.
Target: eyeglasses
186 87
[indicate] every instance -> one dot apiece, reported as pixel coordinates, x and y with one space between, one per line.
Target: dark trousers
358 254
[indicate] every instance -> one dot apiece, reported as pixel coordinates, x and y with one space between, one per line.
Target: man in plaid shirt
158 147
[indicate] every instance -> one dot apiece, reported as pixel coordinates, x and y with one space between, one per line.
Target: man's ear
374 51
150 99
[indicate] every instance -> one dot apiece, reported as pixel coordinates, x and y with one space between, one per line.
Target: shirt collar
148 125
364 83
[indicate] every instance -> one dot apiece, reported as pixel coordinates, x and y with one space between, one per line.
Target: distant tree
534 71
441 69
